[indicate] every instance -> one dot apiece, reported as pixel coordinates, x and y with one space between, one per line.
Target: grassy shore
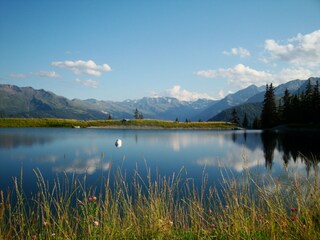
141 123
164 208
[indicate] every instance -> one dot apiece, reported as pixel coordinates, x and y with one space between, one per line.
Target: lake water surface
92 152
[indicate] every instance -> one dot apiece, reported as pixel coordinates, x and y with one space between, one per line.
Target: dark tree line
301 108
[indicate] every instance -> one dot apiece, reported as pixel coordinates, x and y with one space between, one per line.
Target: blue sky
126 49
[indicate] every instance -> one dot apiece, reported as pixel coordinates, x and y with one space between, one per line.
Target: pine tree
137 114
245 122
316 103
234 117
269 116
296 110
307 101
256 123
286 108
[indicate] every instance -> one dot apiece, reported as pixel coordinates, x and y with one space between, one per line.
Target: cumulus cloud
288 74
239 76
184 95
242 76
298 56
88 83
302 50
241 52
42 74
83 67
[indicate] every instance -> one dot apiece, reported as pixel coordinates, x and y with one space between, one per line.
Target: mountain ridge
29 102
294 87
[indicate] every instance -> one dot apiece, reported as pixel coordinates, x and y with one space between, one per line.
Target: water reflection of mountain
14 140
292 146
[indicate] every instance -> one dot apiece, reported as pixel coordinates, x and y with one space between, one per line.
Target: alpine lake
91 153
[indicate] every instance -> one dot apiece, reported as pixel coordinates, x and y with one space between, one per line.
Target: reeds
156 207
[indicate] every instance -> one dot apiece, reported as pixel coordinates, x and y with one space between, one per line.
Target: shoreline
113 124
123 127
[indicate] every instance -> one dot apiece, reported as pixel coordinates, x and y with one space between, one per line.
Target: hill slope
229 101
253 106
28 102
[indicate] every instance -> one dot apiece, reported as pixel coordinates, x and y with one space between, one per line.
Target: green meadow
134 123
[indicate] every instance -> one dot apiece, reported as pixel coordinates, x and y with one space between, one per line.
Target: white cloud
83 67
88 83
230 161
242 76
184 95
80 166
239 76
19 75
302 50
241 52
288 74
221 94
47 74
42 74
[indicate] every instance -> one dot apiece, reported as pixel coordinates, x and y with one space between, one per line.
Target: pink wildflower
95 223
90 199
293 218
294 209
94 198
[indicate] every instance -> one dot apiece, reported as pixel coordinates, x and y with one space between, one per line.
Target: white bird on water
118 143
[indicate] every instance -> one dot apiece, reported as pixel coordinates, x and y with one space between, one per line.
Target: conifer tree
269 116
137 114
286 113
256 123
316 103
307 101
245 122
295 110
234 117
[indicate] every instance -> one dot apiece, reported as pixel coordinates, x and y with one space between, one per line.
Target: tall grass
155 207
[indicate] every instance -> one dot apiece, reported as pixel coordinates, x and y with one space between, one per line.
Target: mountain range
28 102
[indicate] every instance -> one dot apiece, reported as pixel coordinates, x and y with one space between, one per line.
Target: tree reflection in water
303 146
